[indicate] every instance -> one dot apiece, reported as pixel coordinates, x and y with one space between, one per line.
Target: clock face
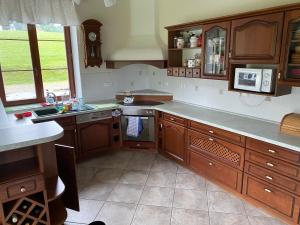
92 36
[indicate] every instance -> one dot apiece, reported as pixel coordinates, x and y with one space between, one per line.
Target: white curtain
38 12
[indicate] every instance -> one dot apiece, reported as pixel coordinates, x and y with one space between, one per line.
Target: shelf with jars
184 52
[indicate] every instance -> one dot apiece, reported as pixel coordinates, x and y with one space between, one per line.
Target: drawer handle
172 119
23 189
211 131
272 151
210 164
211 139
138 145
161 126
270 164
269 178
268 190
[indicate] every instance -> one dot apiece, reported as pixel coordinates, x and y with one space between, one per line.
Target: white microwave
258 80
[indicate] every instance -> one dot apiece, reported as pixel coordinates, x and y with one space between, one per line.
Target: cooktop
142 103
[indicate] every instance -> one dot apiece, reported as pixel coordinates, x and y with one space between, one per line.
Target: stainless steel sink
45 112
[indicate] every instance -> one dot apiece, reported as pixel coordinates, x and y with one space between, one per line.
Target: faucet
51 97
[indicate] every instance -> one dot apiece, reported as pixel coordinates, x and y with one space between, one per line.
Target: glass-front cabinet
215 50
291 49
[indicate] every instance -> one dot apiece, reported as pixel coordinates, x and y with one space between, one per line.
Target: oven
147 119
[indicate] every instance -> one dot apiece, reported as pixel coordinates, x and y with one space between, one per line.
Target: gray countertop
145 92
251 127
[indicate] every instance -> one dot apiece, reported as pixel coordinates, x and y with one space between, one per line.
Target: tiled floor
142 188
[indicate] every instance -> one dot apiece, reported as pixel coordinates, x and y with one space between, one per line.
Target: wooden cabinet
214 170
174 141
257 39
94 137
290 51
215 51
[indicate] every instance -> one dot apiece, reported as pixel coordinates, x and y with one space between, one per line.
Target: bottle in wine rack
14 218
37 212
24 207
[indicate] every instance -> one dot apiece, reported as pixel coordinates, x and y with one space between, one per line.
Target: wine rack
27 210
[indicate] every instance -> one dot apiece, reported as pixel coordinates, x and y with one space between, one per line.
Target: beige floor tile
254 211
190 181
88 211
113 213
140 164
126 154
97 191
134 177
107 161
189 217
225 202
190 199
166 166
211 187
161 179
227 219
257 220
144 155
127 193
182 169
85 174
69 223
108 175
152 215
157 196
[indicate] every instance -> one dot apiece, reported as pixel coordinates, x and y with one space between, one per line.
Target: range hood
143 43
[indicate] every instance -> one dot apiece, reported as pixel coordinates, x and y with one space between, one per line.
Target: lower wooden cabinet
215 170
280 201
94 137
174 141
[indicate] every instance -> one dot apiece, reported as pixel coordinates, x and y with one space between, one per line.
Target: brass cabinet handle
272 151
23 189
161 126
279 75
269 178
172 119
268 190
211 139
211 131
210 164
270 164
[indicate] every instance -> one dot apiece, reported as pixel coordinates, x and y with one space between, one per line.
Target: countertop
16 133
145 92
250 127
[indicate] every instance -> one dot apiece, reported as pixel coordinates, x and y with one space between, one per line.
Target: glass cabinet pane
293 62
215 43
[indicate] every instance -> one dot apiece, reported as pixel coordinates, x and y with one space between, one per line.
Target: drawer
216 132
189 73
275 198
181 72
215 171
66 121
21 188
175 72
196 73
273 178
273 150
170 72
273 164
174 119
221 150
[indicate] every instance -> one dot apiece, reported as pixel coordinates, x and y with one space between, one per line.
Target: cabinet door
95 136
174 141
290 65
67 172
69 138
257 39
216 45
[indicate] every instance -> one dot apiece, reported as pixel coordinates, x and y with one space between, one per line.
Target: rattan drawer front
221 150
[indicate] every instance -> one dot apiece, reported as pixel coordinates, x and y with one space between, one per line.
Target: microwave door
248 79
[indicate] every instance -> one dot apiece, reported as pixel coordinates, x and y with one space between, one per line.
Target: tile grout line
172 205
137 204
207 202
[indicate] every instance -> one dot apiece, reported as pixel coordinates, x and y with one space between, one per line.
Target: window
33 59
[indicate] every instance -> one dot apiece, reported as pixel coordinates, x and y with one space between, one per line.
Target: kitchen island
37 177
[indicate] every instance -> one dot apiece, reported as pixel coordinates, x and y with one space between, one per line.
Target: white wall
115 32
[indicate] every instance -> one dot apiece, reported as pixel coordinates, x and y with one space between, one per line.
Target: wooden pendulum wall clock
92 43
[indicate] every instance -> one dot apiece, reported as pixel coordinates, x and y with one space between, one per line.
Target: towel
135 126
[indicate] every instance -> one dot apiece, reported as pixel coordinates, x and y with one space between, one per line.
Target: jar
180 42
193 42
191 63
198 62
175 42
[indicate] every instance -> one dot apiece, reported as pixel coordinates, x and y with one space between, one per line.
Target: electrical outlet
153 73
140 73
268 99
131 83
159 83
108 84
221 92
196 88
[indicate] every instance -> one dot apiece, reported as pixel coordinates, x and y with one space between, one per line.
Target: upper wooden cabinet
257 39
215 50
290 51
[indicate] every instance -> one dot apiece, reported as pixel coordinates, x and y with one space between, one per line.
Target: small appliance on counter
257 80
128 99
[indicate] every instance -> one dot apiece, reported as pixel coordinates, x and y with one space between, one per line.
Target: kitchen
205 144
